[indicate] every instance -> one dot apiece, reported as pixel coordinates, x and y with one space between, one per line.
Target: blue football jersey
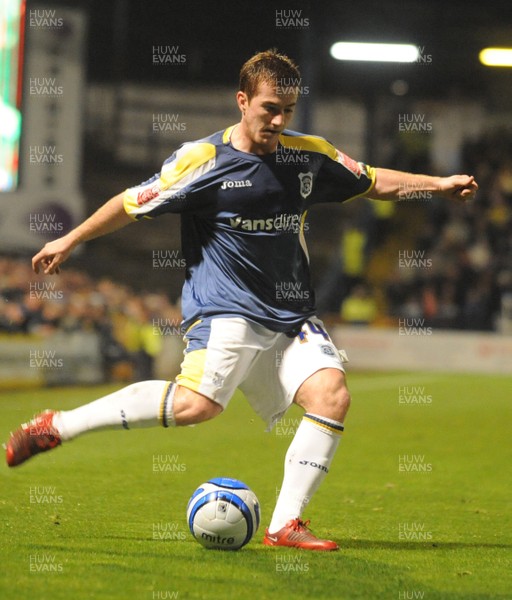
243 219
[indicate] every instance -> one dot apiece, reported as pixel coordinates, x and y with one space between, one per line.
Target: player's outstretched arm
397 185
110 217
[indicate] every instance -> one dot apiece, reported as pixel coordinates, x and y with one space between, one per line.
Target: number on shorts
313 328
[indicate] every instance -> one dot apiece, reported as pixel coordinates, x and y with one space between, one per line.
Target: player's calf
190 407
143 404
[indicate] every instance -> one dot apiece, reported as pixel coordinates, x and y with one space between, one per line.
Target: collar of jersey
226 139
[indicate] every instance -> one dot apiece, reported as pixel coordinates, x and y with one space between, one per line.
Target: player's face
265 116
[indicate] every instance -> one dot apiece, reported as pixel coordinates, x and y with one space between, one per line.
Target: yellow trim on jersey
303 220
308 142
324 425
192 370
302 239
226 136
191 159
372 174
193 325
189 328
126 206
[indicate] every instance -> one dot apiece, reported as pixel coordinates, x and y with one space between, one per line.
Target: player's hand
459 187
52 255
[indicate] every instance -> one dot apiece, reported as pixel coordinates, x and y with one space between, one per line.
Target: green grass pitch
418 498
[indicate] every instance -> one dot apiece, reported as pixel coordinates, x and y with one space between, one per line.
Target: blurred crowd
129 325
468 280
452 269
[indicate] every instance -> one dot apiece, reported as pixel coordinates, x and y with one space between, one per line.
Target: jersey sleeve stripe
310 143
372 175
191 162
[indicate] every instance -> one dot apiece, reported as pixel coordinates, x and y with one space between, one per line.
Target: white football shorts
225 353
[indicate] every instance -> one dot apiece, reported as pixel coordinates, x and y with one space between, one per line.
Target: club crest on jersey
306 184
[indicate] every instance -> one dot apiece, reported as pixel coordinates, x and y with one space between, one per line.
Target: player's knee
325 394
341 402
191 407
334 402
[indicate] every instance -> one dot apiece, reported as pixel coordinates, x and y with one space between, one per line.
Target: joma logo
229 184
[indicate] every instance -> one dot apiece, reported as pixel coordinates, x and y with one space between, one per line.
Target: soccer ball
223 514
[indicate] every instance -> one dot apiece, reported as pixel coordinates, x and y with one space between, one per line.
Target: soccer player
248 306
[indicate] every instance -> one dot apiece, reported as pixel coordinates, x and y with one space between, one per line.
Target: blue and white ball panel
228 482
223 515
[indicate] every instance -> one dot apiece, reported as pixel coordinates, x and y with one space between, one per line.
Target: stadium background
96 519
136 81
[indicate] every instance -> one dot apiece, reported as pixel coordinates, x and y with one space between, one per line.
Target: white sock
143 404
306 464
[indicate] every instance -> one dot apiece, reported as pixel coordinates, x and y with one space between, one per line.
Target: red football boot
295 534
30 439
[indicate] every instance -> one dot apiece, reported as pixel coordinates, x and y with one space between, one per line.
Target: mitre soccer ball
223 514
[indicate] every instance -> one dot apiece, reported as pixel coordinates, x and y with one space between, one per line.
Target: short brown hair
269 67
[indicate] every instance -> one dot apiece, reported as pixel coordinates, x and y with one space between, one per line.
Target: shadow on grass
431 546
256 547
157 549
